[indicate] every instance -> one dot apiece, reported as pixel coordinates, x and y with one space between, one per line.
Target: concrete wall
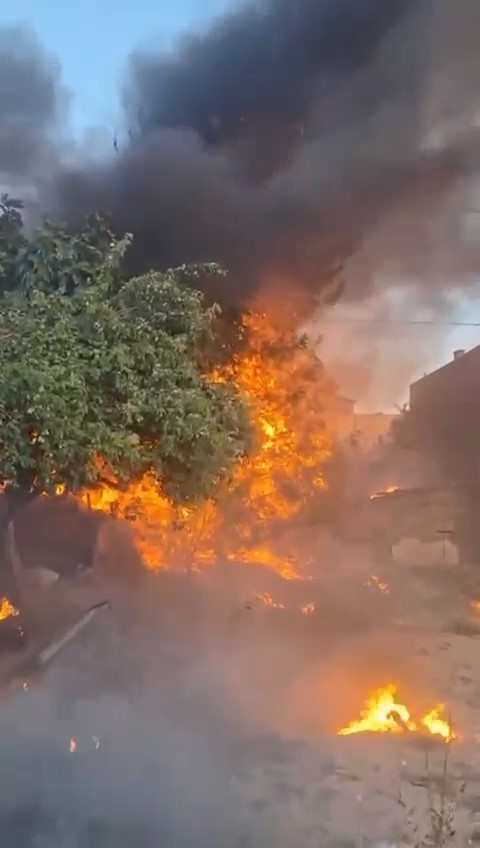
413 552
371 427
445 418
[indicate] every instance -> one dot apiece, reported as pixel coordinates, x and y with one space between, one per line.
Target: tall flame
286 396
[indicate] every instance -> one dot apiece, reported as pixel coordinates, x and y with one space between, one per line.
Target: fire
375 581
436 724
388 491
286 388
268 601
7 610
383 713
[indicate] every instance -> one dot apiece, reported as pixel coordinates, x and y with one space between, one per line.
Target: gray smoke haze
287 141
195 719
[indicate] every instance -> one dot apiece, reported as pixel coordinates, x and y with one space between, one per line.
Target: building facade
445 416
444 423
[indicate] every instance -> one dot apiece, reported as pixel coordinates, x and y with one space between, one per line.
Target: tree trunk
12 628
9 587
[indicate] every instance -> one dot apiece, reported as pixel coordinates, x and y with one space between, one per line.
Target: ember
375 582
383 714
7 610
286 387
268 601
388 491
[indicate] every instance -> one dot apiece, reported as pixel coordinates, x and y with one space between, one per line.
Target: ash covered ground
203 709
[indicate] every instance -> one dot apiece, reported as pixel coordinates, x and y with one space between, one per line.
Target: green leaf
93 364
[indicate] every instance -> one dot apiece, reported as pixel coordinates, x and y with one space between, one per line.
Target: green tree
105 376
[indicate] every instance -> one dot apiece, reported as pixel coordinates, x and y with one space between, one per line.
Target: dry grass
436 826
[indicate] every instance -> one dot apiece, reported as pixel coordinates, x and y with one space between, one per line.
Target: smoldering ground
181 700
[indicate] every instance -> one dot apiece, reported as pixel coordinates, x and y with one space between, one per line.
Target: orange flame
435 723
7 610
388 491
375 581
268 601
384 714
268 488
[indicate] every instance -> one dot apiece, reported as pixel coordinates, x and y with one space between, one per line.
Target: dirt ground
252 696
372 789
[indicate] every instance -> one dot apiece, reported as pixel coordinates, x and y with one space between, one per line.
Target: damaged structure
445 422
441 425
445 416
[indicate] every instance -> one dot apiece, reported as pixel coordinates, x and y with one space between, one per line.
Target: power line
406 322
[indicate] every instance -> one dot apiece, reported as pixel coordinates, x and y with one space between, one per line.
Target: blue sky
92 39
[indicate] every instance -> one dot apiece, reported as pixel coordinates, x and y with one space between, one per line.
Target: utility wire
408 322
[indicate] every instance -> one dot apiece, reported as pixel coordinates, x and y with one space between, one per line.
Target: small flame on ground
375 581
383 714
7 610
268 601
436 724
388 491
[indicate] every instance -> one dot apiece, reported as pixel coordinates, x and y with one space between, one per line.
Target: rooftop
459 356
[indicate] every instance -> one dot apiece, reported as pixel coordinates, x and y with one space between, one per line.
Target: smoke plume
284 143
32 110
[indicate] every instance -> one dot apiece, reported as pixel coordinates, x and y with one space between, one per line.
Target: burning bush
102 378
287 391
118 391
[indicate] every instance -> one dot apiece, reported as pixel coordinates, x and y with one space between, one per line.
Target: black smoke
33 106
275 144
249 86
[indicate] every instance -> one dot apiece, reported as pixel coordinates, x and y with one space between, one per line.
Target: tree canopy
101 375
